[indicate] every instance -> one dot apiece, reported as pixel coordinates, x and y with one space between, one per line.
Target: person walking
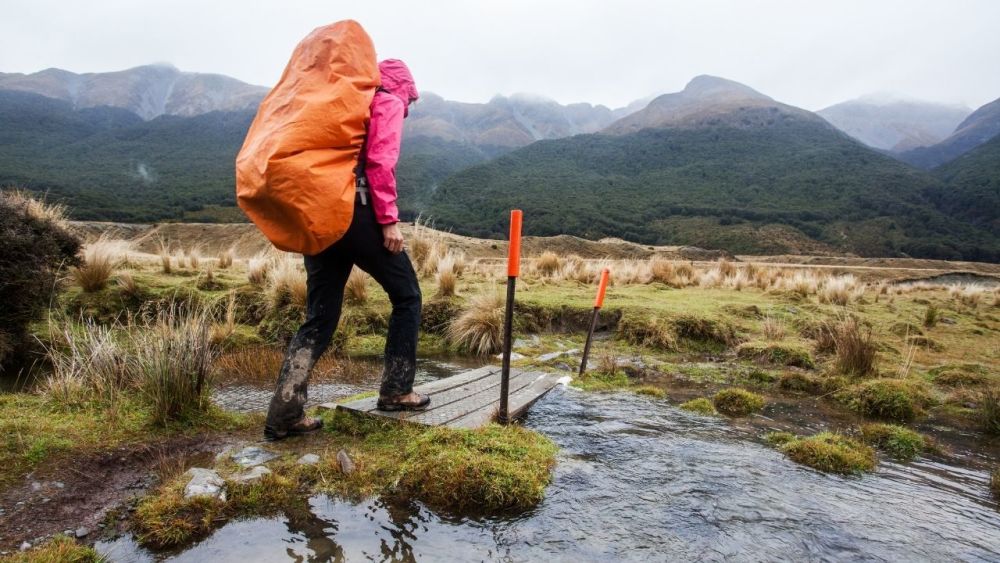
374 243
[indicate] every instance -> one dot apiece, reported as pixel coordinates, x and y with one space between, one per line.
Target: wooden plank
518 403
467 400
487 394
430 388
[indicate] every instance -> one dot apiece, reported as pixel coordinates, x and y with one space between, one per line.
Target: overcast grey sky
806 53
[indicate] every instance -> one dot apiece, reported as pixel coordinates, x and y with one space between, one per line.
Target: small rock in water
308 459
204 483
253 475
82 532
252 455
346 463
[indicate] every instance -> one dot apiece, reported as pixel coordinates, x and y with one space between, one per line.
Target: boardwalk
470 399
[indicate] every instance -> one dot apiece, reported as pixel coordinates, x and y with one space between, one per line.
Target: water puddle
638 479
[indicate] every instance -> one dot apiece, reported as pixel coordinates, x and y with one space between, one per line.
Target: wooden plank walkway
468 400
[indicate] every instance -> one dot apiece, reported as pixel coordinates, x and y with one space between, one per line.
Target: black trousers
327 273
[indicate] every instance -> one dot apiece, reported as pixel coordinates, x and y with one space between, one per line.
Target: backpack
295 172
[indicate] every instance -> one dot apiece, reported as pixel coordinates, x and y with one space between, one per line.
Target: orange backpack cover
295 172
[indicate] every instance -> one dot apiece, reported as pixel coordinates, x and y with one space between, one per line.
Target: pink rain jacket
385 134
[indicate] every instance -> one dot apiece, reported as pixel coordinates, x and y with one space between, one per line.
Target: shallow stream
638 479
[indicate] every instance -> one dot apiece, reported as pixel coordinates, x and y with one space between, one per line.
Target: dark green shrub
35 244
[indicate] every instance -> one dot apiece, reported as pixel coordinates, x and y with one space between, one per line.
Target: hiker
374 243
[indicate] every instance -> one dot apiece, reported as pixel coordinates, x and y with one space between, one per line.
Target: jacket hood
397 80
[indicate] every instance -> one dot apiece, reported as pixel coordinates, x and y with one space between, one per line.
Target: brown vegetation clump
356 289
989 411
225 259
548 264
856 348
286 284
773 328
100 259
258 268
650 332
479 329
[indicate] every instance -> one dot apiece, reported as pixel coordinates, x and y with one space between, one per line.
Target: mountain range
895 125
718 164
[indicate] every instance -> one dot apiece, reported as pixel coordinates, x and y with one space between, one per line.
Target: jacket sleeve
385 134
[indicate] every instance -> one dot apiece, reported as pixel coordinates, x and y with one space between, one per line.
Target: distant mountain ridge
717 165
895 125
147 91
980 127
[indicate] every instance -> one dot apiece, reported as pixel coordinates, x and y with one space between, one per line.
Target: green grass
37 430
779 438
899 442
494 468
701 405
776 354
892 399
737 402
831 453
59 549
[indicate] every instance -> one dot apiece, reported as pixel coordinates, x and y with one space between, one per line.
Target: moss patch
779 438
958 375
59 549
801 382
648 332
899 442
700 405
650 390
832 453
490 469
737 402
892 399
776 354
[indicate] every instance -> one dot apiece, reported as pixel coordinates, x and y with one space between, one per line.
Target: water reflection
639 480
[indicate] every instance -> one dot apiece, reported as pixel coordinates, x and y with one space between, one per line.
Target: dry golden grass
193 256
446 282
286 283
356 289
258 269
100 259
225 259
856 348
38 208
129 287
479 329
773 328
548 264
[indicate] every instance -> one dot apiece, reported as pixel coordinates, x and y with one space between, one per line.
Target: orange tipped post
602 287
513 270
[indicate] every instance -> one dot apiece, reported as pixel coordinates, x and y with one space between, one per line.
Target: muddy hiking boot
304 426
408 402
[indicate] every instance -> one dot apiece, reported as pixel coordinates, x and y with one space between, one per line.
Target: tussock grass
648 332
59 549
775 354
479 329
548 264
225 258
899 442
356 289
701 406
100 259
855 348
737 402
772 328
258 269
286 284
831 452
892 399
172 358
931 316
89 363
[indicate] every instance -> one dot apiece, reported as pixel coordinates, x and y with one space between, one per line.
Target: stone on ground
252 455
346 463
204 483
308 459
253 475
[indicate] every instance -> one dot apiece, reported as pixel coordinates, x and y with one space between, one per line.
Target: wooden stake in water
513 269
598 303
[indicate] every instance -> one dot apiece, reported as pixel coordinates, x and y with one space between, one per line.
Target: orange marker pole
598 303
513 270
